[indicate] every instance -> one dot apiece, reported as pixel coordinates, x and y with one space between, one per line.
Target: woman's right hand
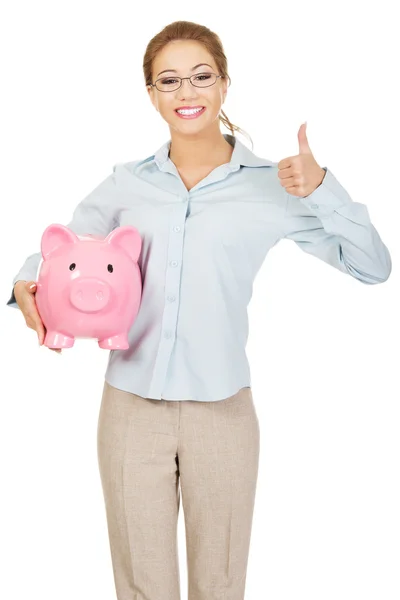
24 292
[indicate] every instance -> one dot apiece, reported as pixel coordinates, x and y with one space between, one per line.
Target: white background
323 347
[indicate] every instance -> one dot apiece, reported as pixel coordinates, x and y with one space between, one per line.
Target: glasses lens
168 84
203 79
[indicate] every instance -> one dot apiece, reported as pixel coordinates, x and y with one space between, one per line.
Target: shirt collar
241 155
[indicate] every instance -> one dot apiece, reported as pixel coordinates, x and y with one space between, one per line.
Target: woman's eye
205 77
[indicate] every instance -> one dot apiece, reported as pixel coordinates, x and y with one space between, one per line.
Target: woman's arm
331 226
95 214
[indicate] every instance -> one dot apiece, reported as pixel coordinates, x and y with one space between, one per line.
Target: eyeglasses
171 84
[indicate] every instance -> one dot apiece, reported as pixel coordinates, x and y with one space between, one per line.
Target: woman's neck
187 153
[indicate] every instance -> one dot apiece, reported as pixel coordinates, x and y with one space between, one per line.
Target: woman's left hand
300 175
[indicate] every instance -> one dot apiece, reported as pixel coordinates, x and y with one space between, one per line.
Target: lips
188 107
194 115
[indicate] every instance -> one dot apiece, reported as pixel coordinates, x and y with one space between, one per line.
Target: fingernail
32 286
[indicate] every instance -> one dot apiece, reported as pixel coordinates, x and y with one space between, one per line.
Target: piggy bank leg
54 339
116 342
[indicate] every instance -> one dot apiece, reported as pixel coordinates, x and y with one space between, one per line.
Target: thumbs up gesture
300 175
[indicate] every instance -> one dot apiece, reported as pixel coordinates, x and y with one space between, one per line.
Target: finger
285 162
33 322
288 182
36 321
285 173
39 330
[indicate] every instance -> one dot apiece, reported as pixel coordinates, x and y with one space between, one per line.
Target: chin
188 128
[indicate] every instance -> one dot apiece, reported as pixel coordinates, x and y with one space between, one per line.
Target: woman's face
178 59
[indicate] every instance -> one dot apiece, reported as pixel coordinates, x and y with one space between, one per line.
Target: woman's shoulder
133 165
130 165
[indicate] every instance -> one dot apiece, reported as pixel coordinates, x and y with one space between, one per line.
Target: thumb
30 286
304 147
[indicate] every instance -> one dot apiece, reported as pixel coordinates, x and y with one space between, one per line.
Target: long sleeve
95 214
331 226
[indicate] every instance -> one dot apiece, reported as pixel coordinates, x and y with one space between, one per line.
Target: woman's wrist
20 281
17 286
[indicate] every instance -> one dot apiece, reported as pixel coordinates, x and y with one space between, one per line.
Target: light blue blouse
201 251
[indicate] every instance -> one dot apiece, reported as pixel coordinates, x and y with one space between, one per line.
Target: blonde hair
186 30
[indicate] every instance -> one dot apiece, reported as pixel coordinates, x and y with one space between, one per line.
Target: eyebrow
175 71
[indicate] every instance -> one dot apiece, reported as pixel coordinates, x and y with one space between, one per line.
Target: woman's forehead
184 55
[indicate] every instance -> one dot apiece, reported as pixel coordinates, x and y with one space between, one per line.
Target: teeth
189 112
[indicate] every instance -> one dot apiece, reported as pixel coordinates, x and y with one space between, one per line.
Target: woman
177 405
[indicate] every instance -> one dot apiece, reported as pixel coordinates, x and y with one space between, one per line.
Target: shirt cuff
330 194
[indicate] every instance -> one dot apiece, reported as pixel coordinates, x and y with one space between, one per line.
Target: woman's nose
189 85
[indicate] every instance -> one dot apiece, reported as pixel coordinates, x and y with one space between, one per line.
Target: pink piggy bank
88 286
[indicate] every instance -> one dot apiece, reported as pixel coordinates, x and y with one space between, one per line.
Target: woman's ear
224 93
150 90
225 88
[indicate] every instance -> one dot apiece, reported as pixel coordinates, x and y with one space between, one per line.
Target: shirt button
171 298
177 228
314 206
167 334
173 263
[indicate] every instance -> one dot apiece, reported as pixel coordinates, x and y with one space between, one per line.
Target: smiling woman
186 74
209 45
177 409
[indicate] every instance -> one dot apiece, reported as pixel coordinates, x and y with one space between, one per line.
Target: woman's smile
190 112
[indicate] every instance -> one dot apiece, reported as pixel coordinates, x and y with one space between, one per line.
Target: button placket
173 278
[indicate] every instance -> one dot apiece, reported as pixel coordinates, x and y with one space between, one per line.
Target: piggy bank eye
110 268
72 266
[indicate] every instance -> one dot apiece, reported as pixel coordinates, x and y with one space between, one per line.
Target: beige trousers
146 449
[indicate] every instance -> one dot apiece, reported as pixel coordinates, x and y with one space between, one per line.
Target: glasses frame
190 79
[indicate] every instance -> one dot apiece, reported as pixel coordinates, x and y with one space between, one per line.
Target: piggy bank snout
89 294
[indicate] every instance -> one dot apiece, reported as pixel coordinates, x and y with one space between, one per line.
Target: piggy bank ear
55 236
127 238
